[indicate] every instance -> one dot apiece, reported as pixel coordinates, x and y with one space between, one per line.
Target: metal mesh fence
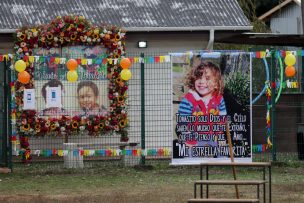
86 150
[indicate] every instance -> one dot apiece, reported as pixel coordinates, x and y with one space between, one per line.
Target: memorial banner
211 92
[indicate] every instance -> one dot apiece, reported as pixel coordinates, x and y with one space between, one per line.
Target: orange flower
107 36
101 125
37 127
120 99
49 36
89 33
26 127
96 127
74 124
118 80
123 123
53 126
22 36
116 37
95 36
73 36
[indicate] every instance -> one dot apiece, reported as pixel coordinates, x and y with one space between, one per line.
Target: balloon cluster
72 75
23 76
290 70
125 74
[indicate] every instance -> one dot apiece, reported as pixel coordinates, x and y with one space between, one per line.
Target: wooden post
232 158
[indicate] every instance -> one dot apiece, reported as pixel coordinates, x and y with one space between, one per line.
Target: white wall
158 87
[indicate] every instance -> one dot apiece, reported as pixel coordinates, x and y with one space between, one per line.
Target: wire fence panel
83 149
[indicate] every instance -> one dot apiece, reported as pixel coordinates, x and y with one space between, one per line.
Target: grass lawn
161 183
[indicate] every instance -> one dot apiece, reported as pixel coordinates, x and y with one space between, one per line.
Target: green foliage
239 86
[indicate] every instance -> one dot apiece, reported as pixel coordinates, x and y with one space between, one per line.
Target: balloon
125 63
24 77
290 71
72 76
290 60
20 65
125 74
72 64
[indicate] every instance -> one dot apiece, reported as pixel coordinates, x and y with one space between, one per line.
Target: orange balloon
72 64
24 77
290 71
125 63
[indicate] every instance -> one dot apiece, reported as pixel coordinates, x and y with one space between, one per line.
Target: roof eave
197 28
7 31
168 29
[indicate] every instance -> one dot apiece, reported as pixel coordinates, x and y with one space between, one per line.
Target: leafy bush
239 87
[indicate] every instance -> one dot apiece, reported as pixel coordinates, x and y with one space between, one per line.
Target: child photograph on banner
211 91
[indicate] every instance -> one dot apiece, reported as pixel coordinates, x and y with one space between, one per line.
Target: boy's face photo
205 85
86 97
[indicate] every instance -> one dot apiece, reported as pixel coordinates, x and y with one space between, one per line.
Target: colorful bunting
99 152
259 148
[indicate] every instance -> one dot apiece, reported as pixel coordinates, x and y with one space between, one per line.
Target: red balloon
290 71
72 64
125 63
24 77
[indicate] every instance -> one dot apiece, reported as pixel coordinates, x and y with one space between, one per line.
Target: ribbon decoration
89 61
99 152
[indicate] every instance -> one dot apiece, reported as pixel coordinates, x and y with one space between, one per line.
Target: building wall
158 88
167 42
287 20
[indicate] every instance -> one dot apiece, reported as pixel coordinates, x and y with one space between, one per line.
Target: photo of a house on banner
211 96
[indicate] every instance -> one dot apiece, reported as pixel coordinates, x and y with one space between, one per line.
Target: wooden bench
225 200
230 182
208 182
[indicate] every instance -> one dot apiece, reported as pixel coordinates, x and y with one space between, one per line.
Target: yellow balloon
290 60
20 65
72 76
126 74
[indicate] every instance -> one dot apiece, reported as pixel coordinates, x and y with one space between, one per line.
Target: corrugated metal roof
139 15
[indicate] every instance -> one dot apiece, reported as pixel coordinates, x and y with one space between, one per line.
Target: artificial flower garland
67 31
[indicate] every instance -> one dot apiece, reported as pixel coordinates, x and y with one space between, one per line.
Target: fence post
302 80
5 121
273 96
142 94
9 115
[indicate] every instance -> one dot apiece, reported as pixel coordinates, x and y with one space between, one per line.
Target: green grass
114 183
